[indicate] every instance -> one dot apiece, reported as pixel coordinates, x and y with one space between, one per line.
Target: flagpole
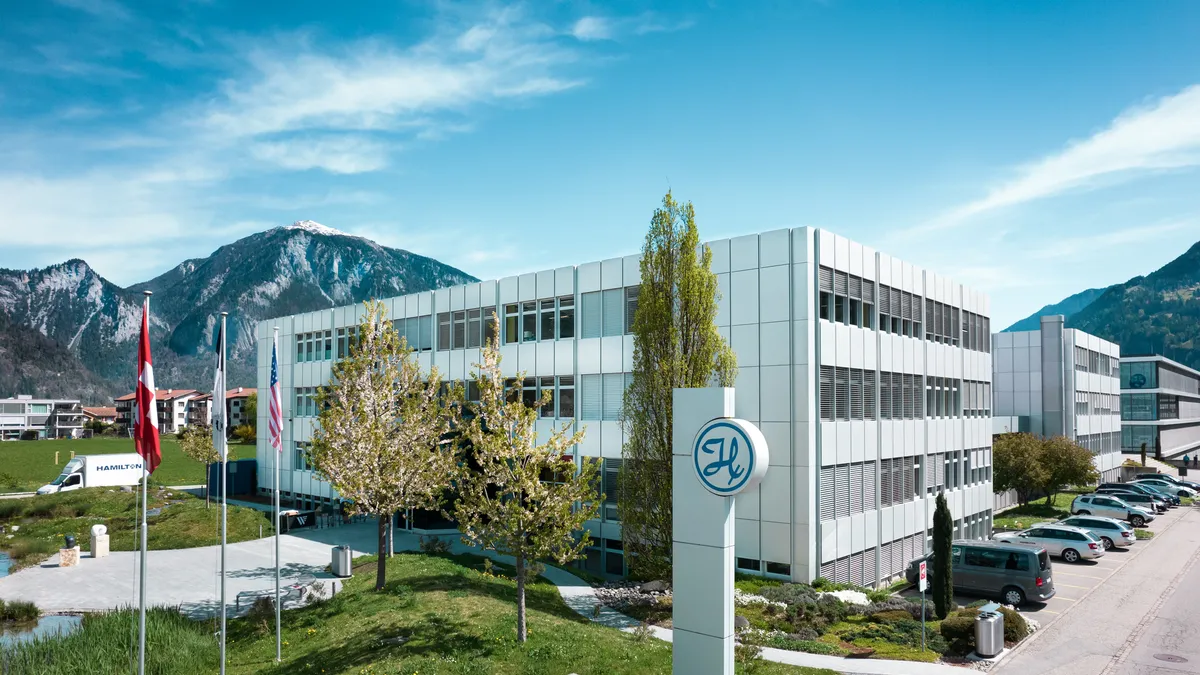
224 450
145 480
278 455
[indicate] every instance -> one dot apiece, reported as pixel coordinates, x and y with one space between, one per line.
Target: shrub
807 646
17 611
434 545
891 616
1015 627
977 604
958 629
11 508
25 549
915 607
804 634
878 595
791 594
821 584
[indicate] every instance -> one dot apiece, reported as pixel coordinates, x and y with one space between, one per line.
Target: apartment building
868 376
1065 382
1160 406
172 409
25 416
104 414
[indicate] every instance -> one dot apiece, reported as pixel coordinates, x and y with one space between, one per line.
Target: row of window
1149 407
306 402
608 313
761 566
899 312
978 399
860 568
1095 403
19 408
846 298
316 346
849 489
847 393
601 396
530 321
1088 361
1101 444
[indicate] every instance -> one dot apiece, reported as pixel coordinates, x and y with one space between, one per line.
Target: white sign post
715 456
923 582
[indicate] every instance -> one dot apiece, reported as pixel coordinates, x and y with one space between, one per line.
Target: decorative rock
654 587
850 597
98 530
740 622
126 488
68 557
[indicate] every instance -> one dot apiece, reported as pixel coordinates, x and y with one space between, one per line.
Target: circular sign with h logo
730 455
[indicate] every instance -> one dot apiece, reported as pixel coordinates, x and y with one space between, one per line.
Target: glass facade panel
1134 435
1137 406
1142 375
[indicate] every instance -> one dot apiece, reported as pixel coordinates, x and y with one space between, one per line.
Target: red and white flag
145 425
275 411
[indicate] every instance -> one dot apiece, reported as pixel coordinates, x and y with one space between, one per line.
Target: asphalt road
1140 618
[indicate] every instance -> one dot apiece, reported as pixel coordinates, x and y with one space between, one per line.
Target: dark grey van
1015 573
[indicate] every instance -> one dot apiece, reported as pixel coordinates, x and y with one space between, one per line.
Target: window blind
591 315
614 312
614 393
590 405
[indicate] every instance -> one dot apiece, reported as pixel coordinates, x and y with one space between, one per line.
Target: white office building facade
1067 383
1160 406
870 379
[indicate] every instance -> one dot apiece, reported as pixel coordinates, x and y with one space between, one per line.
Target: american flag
275 420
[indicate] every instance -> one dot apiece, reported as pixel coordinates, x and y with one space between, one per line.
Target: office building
868 376
1160 406
28 417
199 408
172 409
1060 381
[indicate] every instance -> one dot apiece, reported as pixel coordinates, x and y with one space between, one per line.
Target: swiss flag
145 425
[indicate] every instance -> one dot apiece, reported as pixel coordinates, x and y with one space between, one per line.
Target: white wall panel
776 542
744 341
722 317
746 402
779 442
773 248
612 273
774 293
720 256
775 401
743 253
743 296
774 348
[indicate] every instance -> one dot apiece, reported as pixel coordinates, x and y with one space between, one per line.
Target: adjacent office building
1060 381
172 407
870 379
26 416
1160 406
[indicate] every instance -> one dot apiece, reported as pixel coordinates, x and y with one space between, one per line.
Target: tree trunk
521 633
381 566
1143 455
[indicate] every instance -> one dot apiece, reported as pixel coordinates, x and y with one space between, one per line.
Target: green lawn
27 465
437 615
1021 517
183 523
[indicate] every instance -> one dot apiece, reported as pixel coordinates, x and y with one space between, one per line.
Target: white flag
218 399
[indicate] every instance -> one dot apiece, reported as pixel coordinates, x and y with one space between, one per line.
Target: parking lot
1072 581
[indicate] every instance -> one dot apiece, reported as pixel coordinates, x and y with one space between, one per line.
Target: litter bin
989 634
341 563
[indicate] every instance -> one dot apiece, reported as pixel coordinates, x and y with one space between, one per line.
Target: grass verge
1143 535
184 522
17 611
438 615
27 465
1028 515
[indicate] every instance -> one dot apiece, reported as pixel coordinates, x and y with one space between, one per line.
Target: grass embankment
437 615
1028 515
184 522
27 465
17 611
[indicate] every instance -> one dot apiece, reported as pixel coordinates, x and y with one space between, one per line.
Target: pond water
5 564
46 626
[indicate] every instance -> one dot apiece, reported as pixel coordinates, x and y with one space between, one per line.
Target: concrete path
1147 609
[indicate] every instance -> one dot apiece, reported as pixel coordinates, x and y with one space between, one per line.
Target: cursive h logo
724 457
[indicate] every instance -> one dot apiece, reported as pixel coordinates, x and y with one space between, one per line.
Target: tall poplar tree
943 573
382 423
675 344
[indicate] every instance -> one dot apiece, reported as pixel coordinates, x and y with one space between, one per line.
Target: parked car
1069 543
1110 506
1144 489
1112 532
1173 479
1138 499
1172 488
1014 573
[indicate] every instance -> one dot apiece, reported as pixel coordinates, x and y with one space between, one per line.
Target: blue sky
1028 149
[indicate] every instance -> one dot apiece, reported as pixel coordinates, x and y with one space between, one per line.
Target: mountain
285 270
1158 313
1067 308
31 363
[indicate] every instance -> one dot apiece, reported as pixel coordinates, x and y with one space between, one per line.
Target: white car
1171 488
1072 544
1110 506
1112 532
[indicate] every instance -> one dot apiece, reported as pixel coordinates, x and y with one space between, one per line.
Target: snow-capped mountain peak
313 227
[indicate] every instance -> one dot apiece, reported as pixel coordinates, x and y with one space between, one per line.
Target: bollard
72 454
56 457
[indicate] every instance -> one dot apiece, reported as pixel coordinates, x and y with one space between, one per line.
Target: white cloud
343 154
592 28
1159 136
1090 244
101 8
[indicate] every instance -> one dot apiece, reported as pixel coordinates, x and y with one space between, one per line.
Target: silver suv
1112 532
1110 506
1072 544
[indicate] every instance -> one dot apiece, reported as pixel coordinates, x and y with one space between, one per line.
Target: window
460 329
590 400
443 335
547 319
566 317
631 303
748 565
474 328
328 345
300 460
528 321
566 396
490 332
842 393
826 393
825 293
885 396
614 312
512 324
856 394
781 569
614 394
869 394
546 388
593 315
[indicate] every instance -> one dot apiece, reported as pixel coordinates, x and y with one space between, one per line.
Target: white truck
96 471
